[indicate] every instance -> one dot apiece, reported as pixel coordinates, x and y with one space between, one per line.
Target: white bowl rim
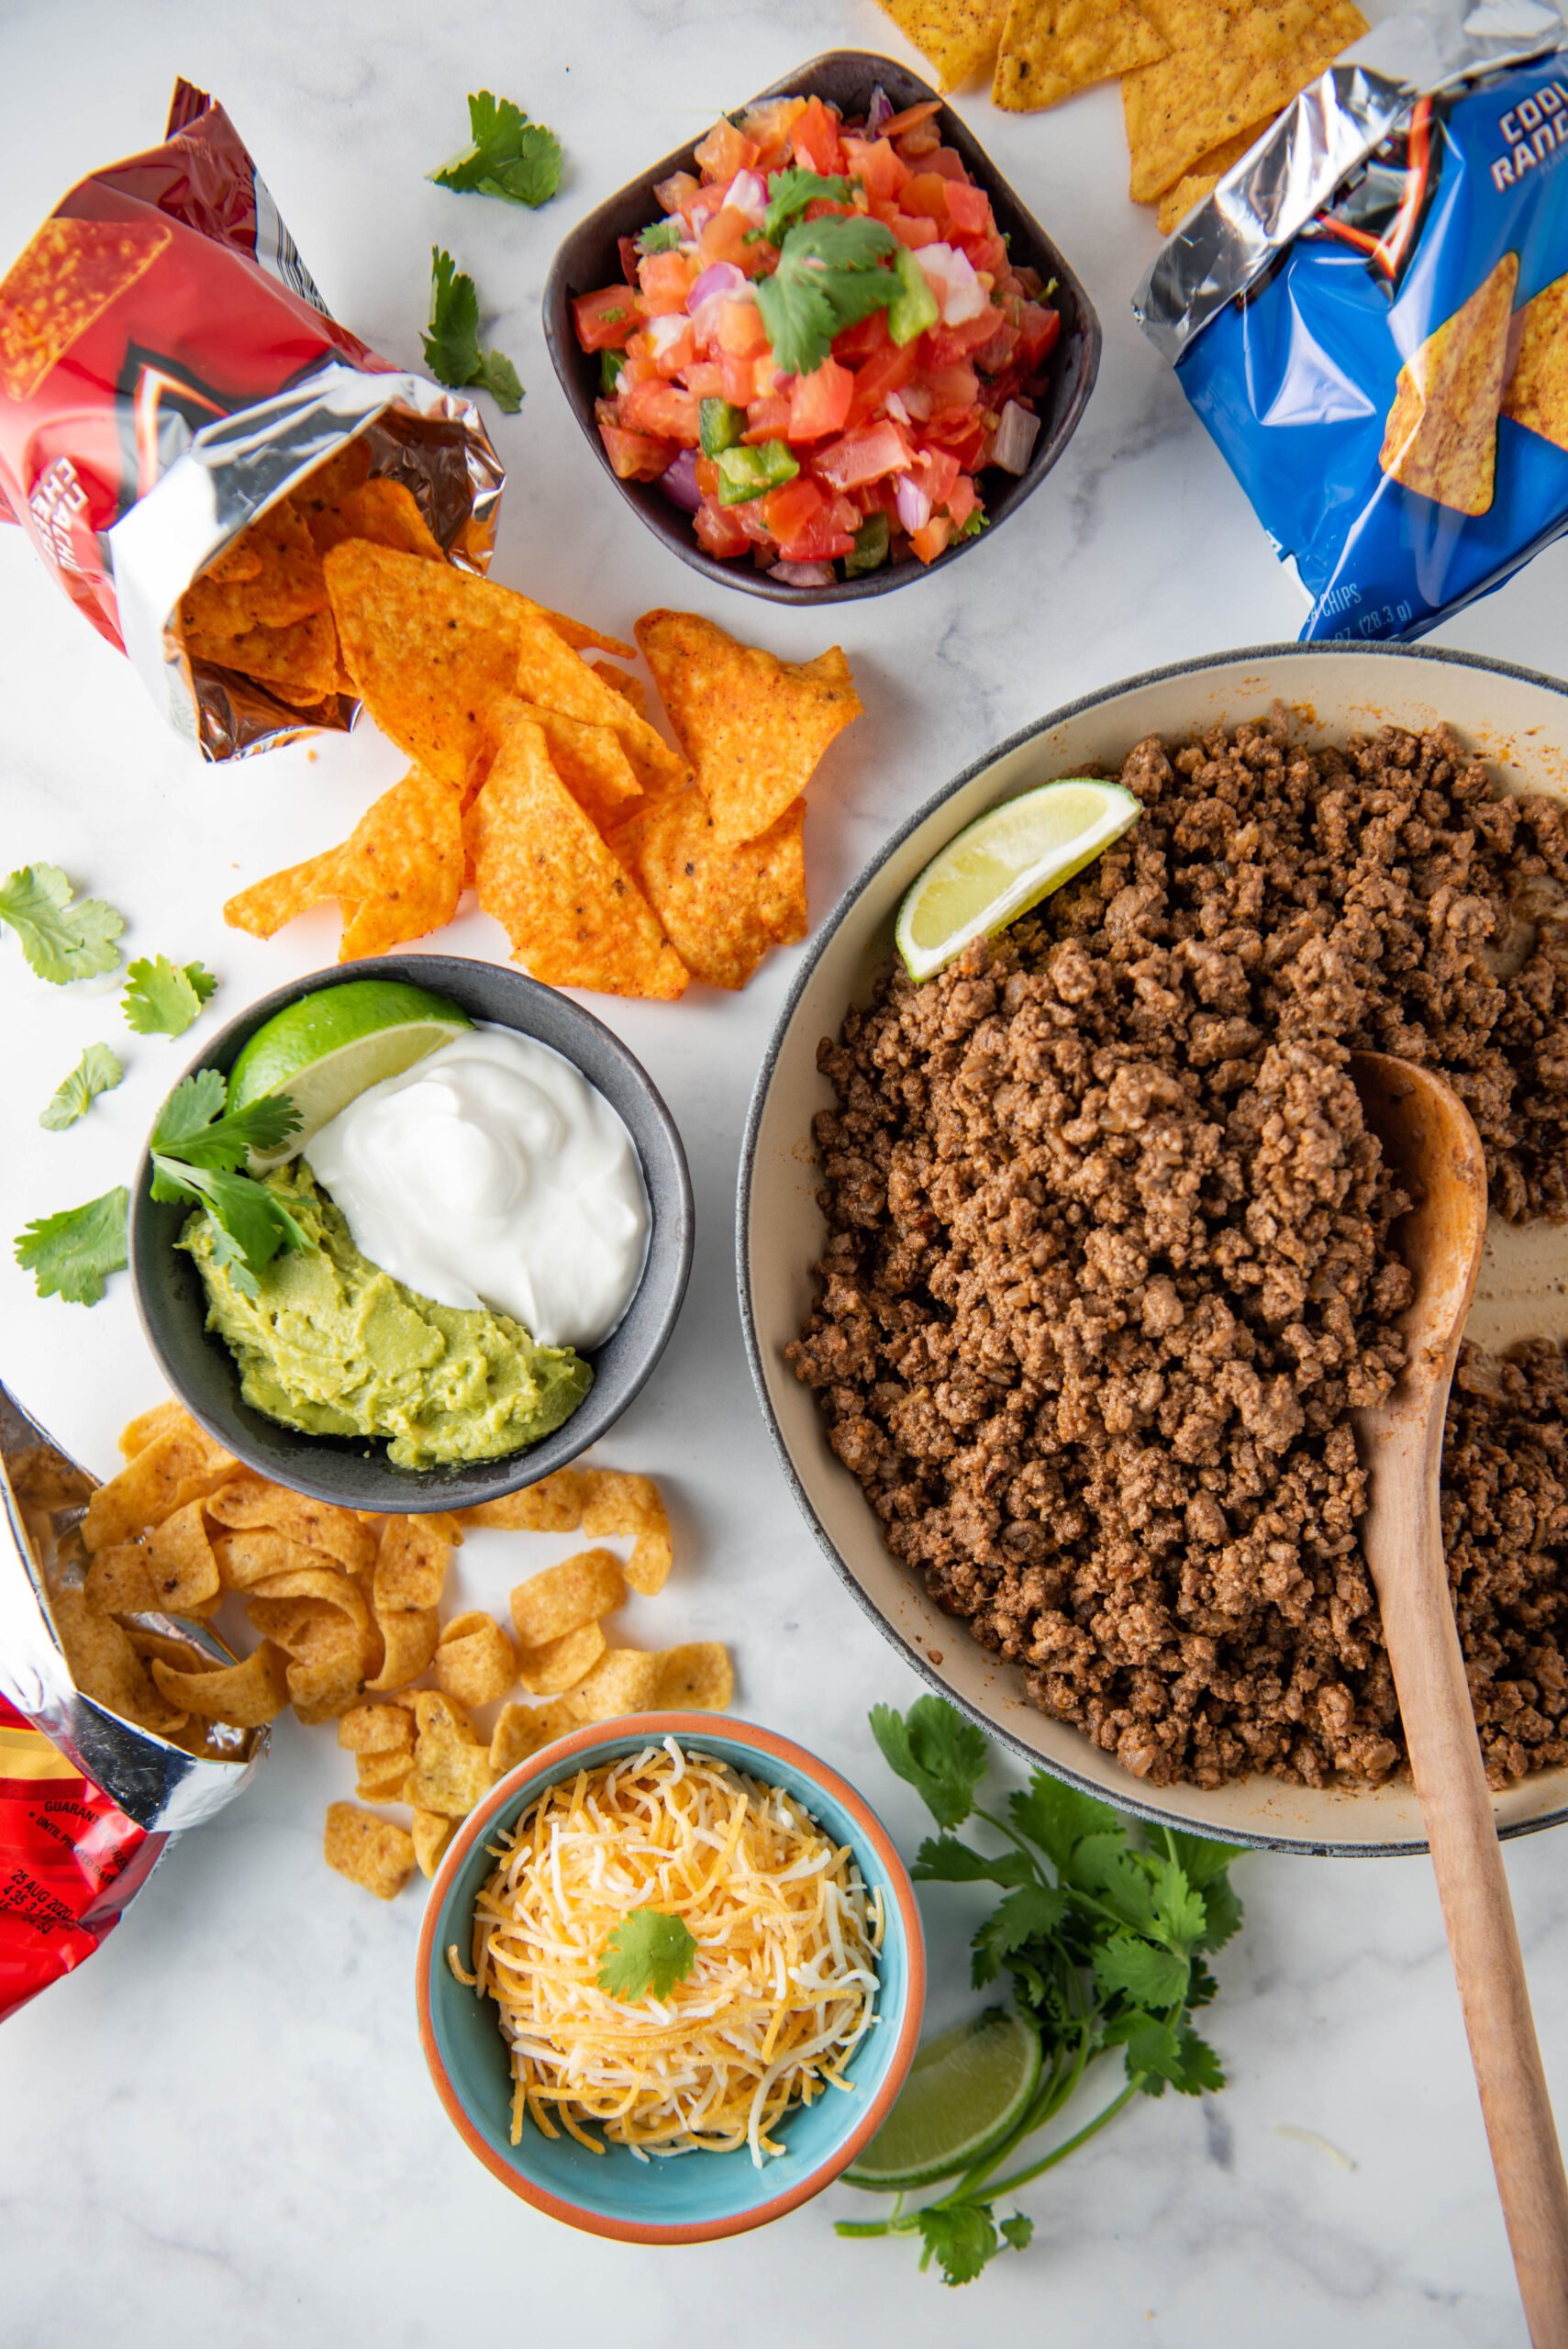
1155 1813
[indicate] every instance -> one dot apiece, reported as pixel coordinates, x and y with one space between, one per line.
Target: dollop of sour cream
492 1173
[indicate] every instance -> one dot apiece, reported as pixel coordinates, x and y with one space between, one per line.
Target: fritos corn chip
410 1565
377 1728
245 1694
367 1850
560 1599
432 1833
474 1663
558 1665
616 1502
625 1680
553 1506
522 1730
698 1676
246 1502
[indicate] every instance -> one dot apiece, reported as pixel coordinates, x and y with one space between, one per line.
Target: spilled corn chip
615 1502
558 1665
474 1663
245 1694
560 1599
369 1851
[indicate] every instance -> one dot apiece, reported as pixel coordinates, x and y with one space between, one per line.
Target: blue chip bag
1369 314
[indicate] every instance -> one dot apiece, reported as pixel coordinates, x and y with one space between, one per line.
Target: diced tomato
666 280
949 162
946 346
926 197
787 511
768 126
705 380
809 526
627 248
739 329
936 470
661 409
820 403
911 118
961 501
678 193
930 542
888 372
879 172
737 378
708 477
866 340
720 531
961 433
724 239
724 152
865 455
992 356
1037 331
767 419
969 208
913 231
986 253
815 139
920 139
953 386
676 357
635 456
607 321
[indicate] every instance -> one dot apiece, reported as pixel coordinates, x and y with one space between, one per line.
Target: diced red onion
894 405
951 278
914 506
803 574
679 481
665 330
879 111
723 277
918 401
701 213
747 194
1015 435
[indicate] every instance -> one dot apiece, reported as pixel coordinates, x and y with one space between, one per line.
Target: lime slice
329 1047
1006 862
966 2090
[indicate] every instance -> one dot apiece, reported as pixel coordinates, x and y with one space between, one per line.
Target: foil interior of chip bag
1369 314
168 372
88 1799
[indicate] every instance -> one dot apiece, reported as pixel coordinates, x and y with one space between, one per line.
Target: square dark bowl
353 1472
590 258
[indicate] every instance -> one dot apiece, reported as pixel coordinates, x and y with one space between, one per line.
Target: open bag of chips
1369 314
169 378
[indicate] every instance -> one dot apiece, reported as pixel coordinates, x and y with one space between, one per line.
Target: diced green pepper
744 474
914 307
871 546
719 426
610 365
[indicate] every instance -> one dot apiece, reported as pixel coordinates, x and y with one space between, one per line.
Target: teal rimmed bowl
693 2198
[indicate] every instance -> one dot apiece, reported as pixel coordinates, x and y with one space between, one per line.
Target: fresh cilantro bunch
452 347
1104 1940
198 1149
508 156
829 277
63 937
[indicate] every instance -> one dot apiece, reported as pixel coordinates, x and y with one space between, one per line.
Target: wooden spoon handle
1445 1761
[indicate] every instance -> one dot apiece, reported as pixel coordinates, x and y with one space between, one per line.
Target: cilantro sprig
97 1070
1104 1940
63 937
198 1147
829 277
72 1253
508 155
647 1952
790 192
161 999
451 346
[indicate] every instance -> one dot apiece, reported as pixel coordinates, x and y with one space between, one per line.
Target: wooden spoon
1434 1150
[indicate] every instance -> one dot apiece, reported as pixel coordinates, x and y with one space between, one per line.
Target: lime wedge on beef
1004 862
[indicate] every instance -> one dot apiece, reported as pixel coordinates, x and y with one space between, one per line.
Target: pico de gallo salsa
822 345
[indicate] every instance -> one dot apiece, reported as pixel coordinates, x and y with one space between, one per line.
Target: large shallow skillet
1517 719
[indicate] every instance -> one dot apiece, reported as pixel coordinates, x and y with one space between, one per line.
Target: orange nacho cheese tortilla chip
63 280
590 760
1231 63
959 36
572 912
428 648
397 876
754 728
1051 48
382 512
301 656
723 909
1442 436
1537 397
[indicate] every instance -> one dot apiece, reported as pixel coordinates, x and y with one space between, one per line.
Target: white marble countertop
221 2131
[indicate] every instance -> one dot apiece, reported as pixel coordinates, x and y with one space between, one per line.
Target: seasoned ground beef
1107 1265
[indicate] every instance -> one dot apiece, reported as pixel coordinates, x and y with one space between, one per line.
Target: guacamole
333 1345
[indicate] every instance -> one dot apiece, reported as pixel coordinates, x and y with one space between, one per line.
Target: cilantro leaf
648 1950
1031 1913
249 1223
61 939
1104 1866
452 347
941 1859
829 277
1179 1911
225 1142
961 2238
1018 2231
1139 1971
1160 2055
664 237
195 1103
933 1749
1205 1864
1057 1817
70 1254
161 999
790 192
508 156
96 1071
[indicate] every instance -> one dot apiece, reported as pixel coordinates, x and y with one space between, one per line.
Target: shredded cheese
781 1989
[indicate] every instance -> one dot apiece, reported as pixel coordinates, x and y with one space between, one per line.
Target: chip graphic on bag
60 286
1441 437
1536 395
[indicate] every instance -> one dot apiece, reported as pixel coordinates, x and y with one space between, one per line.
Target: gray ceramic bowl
1517 719
355 1474
590 258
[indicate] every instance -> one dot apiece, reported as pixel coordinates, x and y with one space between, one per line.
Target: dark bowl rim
749 580
678 1228
771 1747
1156 1814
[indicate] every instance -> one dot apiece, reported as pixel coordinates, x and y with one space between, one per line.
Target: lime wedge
1006 862
330 1047
966 2090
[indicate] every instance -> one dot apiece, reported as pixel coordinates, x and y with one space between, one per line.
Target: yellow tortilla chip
550 1605
959 36
60 285
381 511
1536 395
553 1506
1441 436
558 1665
1205 177
522 1730
723 909
754 727
432 1833
1231 63
570 907
369 1851
245 1694
1051 48
474 1663
617 1502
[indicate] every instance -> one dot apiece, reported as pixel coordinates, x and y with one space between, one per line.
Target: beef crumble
1108 1265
